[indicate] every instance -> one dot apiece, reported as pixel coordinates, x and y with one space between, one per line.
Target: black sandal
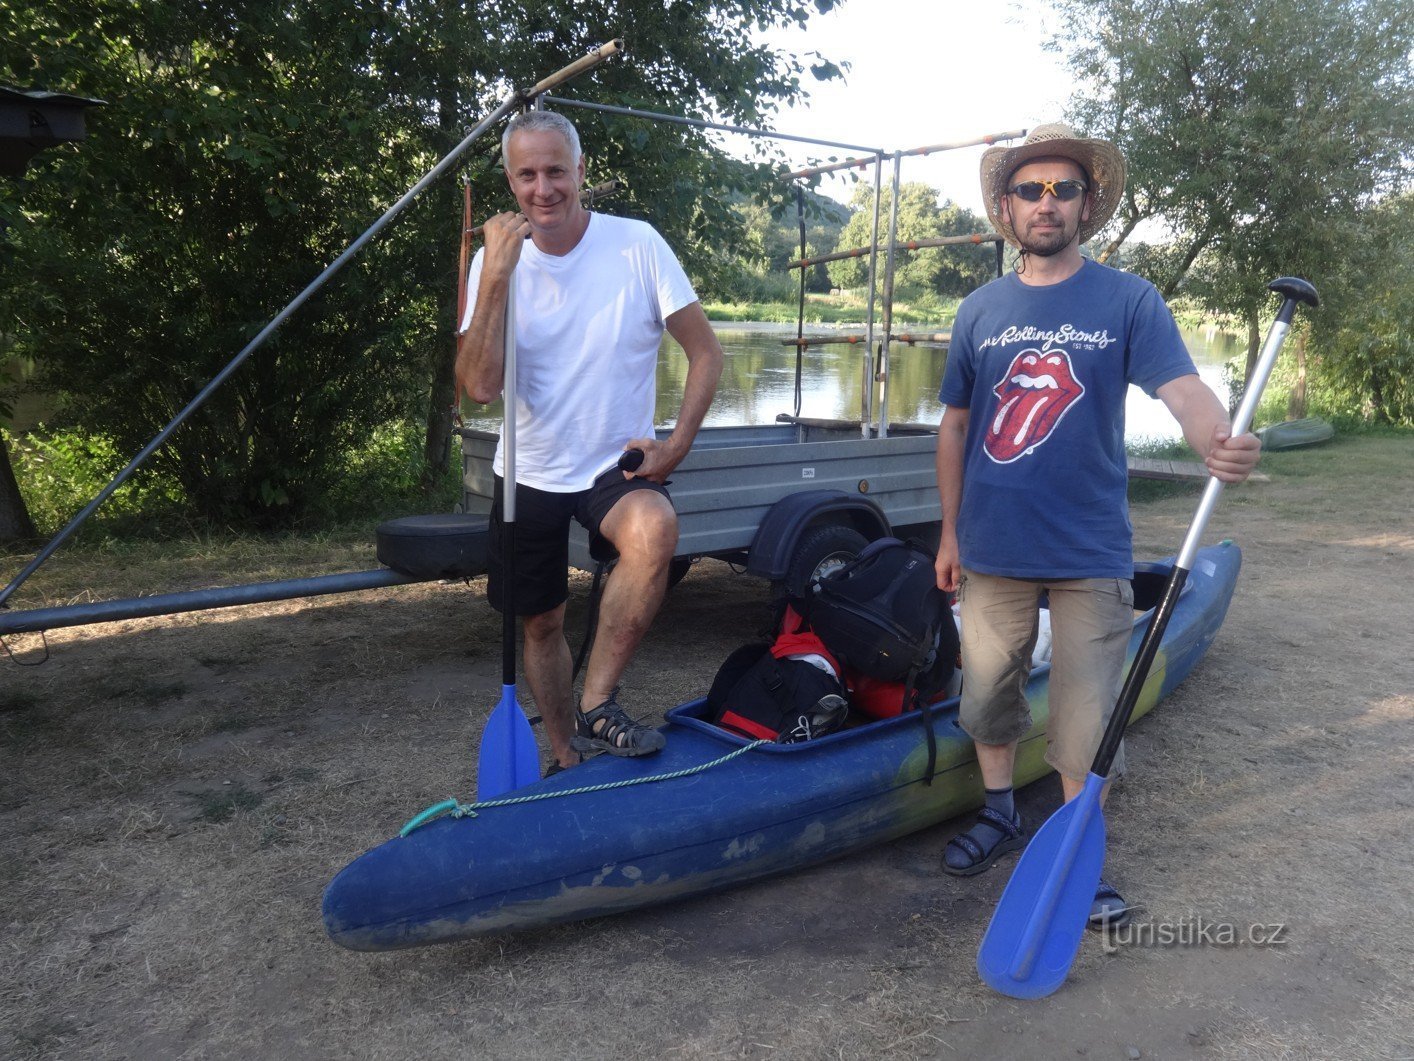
557 767
1109 910
1011 838
608 729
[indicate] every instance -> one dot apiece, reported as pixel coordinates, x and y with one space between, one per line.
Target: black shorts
543 537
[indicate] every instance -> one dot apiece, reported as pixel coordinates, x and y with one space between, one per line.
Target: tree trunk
1194 249
437 454
15 522
1296 402
442 388
1254 350
1118 241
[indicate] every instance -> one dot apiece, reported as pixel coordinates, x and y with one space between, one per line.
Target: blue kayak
586 850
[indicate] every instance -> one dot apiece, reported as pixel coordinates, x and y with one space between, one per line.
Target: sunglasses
1033 191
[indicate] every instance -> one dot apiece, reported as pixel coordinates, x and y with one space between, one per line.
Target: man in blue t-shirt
1033 476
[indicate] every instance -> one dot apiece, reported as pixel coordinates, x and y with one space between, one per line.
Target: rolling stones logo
1032 397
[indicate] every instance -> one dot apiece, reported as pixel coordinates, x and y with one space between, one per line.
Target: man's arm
952 438
481 348
704 367
1206 427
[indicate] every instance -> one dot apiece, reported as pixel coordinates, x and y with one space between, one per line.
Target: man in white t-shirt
593 296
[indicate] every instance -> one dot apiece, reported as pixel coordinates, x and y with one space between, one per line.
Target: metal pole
883 429
866 393
699 123
512 100
198 600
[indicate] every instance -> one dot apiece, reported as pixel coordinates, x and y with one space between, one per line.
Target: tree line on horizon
242 150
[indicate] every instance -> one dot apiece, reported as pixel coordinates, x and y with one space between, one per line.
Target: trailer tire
678 568
819 552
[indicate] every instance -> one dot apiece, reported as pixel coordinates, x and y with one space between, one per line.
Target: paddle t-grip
631 460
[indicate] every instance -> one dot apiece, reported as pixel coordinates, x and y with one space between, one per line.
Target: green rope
469 810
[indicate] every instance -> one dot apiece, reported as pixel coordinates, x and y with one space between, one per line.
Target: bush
60 472
382 478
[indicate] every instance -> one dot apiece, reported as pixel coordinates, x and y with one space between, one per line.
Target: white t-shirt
588 326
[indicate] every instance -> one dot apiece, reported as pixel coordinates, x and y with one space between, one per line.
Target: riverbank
177 791
843 308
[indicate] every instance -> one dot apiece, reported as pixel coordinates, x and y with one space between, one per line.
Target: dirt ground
176 792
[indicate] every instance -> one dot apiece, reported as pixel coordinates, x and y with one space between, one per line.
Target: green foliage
1363 340
846 308
935 270
377 477
61 471
383 477
1255 129
1258 131
206 195
244 148
773 235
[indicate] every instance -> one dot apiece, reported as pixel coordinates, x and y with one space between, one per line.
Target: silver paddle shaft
1240 423
508 400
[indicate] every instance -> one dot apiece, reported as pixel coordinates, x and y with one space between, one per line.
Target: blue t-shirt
1043 372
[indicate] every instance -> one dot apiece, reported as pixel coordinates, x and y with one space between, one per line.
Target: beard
1047 242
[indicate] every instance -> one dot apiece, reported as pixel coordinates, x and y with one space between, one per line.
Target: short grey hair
542 121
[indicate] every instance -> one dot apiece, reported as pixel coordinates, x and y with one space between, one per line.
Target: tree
762 269
942 270
247 146
1365 334
1242 117
1256 129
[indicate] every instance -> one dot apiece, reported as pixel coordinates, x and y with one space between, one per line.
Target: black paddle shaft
1294 290
508 597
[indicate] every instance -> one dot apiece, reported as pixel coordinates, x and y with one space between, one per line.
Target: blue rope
469 810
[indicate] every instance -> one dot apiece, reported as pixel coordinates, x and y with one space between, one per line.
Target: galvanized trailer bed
755 494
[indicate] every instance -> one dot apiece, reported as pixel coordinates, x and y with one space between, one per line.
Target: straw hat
1100 159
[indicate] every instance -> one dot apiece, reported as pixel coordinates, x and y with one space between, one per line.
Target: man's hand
505 236
659 458
1205 427
1230 458
949 565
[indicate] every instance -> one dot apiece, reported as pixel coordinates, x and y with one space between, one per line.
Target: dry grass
175 793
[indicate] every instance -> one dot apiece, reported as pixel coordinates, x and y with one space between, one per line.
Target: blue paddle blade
508 759
1035 932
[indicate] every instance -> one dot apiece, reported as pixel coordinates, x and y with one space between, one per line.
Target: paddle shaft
508 492
1149 646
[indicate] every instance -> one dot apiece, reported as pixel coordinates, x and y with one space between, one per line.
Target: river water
758 380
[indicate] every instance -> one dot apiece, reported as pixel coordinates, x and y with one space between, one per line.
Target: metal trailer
787 500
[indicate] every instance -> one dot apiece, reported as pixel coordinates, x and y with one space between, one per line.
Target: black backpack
761 692
882 612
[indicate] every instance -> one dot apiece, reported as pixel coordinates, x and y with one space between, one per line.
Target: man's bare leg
547 672
997 762
644 529
1071 788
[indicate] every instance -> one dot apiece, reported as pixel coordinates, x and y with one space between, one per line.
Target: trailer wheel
678 568
820 552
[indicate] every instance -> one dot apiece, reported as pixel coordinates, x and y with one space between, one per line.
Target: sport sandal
608 729
979 858
1109 910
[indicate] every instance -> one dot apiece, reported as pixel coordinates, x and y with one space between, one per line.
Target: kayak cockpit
1149 581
